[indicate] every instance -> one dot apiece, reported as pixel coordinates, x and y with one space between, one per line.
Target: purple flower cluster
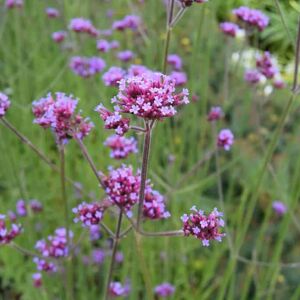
149 96
37 280
179 78
116 289
7 235
21 208
266 66
113 120
52 13
186 3
203 227
58 113
103 46
230 29
253 76
164 290
125 56
14 3
252 17
225 139
89 213
44 265
122 187
175 61
121 146
87 66
113 76
215 114
129 22
279 208
59 36
81 25
4 104
154 204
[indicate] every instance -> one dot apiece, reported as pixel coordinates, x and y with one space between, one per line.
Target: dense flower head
128 22
215 114
116 289
81 25
4 104
230 29
252 17
14 3
150 96
21 208
37 280
175 61
121 146
59 36
113 76
6 234
225 139
164 290
122 187
253 76
136 70
203 227
36 206
103 46
180 78
266 66
58 113
187 3
154 204
44 265
279 208
113 120
89 213
87 66
52 12
125 55
98 256
278 83
56 245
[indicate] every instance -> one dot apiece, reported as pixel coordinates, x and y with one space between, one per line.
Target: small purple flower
119 257
87 66
103 46
37 280
129 22
98 256
43 265
215 114
114 44
7 235
137 70
4 104
175 61
116 289
36 206
125 56
59 36
113 76
180 78
266 66
52 12
279 208
121 146
225 139
95 233
164 290
21 208
253 76
230 29
81 25
14 3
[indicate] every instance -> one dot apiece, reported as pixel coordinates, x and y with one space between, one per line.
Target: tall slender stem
146 152
113 256
67 224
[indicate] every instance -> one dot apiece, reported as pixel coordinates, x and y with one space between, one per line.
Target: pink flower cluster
81 25
225 139
37 280
113 76
215 114
58 113
113 120
175 61
154 204
230 29
252 17
14 3
179 78
59 36
129 22
253 76
125 56
7 235
266 66
89 213
205 228
122 187
87 66
279 208
116 289
4 104
44 265
121 146
164 290
149 96
186 3
52 12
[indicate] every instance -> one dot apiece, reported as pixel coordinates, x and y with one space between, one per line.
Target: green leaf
295 5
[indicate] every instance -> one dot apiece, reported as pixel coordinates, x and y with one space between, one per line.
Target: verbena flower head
215 114
37 280
180 78
266 65
113 76
21 208
81 25
149 96
56 245
121 146
87 66
154 205
52 12
4 104
114 44
6 234
59 36
225 139
186 3
113 120
89 214
203 227
103 46
137 70
44 265
164 290
253 76
230 29
279 208
98 256
14 3
122 187
175 61
278 83
252 17
95 233
129 22
36 206
125 56
116 289
58 113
